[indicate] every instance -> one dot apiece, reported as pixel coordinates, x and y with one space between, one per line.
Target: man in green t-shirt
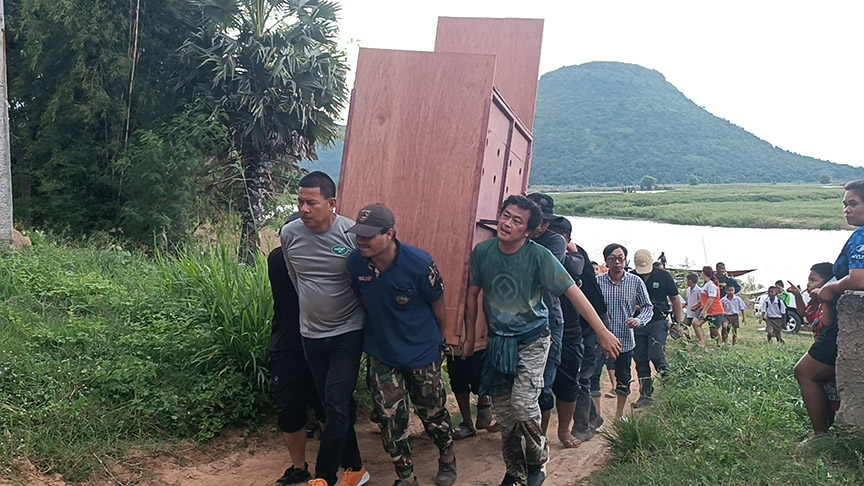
513 273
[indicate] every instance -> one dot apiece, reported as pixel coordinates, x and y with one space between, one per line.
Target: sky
791 72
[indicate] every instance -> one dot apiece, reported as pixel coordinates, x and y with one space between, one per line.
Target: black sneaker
446 473
536 474
643 402
511 481
295 475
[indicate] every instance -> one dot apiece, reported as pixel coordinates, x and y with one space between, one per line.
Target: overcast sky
791 72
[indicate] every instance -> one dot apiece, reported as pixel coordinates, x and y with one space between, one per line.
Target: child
732 307
815 371
773 312
693 307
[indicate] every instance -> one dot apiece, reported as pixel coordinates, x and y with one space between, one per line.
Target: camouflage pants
518 412
389 388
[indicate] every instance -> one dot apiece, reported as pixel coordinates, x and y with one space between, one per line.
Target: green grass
752 206
730 416
104 350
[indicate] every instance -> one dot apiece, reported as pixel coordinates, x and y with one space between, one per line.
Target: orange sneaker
354 478
317 482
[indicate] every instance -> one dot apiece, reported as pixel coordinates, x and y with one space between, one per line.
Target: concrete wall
850 360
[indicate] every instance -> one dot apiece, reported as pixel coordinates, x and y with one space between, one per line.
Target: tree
693 180
648 183
274 68
5 162
70 65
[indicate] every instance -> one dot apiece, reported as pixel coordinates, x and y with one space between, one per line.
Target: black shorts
293 390
824 350
465 373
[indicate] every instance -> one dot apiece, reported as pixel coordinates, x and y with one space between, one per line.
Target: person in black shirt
293 386
573 378
725 279
558 247
651 338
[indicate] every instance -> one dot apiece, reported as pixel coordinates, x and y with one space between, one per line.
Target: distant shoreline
730 206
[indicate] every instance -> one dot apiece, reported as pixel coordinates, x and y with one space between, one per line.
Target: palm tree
274 68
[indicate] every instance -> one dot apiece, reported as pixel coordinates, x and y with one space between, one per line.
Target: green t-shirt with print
513 285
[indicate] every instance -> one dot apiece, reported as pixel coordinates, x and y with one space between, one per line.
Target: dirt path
260 461
235 460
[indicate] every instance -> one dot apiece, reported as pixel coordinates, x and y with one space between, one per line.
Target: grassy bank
781 206
104 350
734 417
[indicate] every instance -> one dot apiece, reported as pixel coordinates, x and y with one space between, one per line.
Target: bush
104 350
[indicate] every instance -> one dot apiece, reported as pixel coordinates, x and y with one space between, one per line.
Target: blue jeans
547 402
335 363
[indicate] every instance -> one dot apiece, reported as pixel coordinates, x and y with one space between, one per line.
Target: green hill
608 123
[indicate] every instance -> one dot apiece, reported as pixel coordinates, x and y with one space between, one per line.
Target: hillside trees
70 65
274 68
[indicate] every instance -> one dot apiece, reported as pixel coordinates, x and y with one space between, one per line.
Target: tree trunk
252 207
5 159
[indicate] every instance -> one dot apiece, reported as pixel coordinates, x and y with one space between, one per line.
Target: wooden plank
415 143
515 42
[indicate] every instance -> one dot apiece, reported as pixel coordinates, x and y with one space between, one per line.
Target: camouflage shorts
390 388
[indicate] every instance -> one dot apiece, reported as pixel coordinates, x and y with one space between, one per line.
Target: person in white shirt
773 312
693 307
733 307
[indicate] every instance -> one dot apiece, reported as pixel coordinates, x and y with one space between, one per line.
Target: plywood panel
415 142
517 169
516 44
491 175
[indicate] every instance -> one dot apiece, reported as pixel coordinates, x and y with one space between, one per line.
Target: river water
776 253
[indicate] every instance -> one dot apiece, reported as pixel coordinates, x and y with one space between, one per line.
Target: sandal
571 443
463 431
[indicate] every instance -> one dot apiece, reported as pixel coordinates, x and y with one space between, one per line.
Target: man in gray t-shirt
316 263
316 250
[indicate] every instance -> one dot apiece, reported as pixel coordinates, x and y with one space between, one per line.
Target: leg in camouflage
518 412
429 398
388 397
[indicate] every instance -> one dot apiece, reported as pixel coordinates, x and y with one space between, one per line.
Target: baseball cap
561 225
372 220
546 203
643 260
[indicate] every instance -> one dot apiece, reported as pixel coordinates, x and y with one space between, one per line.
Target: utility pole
5 159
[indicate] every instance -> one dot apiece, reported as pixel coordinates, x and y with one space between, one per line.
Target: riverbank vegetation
732 206
730 416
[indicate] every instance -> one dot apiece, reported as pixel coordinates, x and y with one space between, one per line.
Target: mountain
329 160
609 123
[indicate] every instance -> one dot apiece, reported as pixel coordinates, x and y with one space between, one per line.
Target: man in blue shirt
404 296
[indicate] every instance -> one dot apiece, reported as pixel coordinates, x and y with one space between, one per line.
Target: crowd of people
555 320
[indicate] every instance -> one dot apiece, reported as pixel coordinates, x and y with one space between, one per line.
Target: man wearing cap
556 244
316 250
404 296
651 338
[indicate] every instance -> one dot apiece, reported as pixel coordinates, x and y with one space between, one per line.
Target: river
776 253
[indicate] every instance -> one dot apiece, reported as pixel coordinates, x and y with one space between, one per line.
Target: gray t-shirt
317 265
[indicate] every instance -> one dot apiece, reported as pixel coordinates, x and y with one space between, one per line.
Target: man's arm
439 310
853 281
643 301
608 342
470 321
677 311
